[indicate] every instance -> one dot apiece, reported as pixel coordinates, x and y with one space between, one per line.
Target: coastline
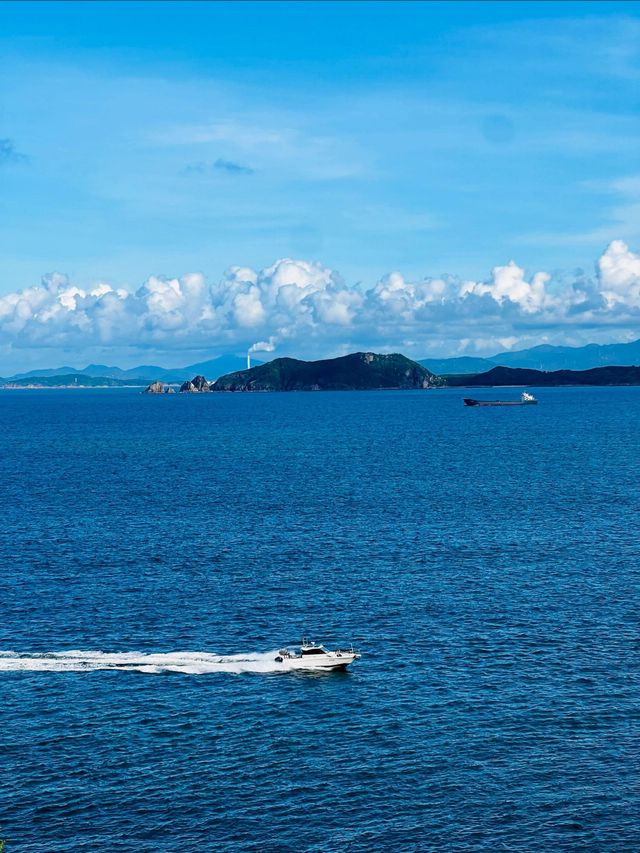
68 387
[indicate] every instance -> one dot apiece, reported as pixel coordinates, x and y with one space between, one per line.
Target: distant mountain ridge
462 364
214 367
546 357
543 357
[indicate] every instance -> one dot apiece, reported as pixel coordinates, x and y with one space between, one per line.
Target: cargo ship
526 399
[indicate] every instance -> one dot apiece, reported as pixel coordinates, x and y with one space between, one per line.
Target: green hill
359 371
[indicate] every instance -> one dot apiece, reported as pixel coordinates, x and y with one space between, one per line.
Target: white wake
189 663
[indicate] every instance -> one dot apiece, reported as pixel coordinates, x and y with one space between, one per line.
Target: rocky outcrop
197 385
200 383
154 388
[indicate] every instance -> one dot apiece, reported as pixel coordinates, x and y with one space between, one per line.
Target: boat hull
317 662
469 402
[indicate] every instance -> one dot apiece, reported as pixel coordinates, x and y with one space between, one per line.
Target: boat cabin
313 650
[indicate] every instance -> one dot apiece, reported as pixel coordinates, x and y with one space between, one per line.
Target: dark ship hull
469 402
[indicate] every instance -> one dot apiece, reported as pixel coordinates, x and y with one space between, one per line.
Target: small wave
189 663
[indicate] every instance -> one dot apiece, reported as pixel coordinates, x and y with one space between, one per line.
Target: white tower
248 359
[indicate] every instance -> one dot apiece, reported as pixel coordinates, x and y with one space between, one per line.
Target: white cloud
264 346
306 308
248 309
509 283
619 272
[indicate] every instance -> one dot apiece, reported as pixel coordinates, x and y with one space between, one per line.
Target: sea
157 551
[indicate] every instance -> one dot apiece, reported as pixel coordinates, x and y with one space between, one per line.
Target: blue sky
144 142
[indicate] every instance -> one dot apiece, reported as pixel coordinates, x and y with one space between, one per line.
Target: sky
181 180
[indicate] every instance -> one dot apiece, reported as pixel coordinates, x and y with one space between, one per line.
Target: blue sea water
486 562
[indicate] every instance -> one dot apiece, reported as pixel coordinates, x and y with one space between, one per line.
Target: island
158 387
72 380
520 376
197 385
359 371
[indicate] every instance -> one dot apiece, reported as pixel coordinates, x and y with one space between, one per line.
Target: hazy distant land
539 366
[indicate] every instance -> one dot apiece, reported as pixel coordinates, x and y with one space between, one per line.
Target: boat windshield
313 650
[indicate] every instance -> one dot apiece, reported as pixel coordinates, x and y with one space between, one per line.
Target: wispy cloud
618 219
201 167
9 153
198 168
232 168
292 141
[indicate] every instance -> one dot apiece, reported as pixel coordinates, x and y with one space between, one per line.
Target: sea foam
189 663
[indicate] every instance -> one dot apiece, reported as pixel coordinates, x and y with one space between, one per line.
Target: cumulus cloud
308 309
619 272
508 283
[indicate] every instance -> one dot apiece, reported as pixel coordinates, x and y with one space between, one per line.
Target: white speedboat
315 656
